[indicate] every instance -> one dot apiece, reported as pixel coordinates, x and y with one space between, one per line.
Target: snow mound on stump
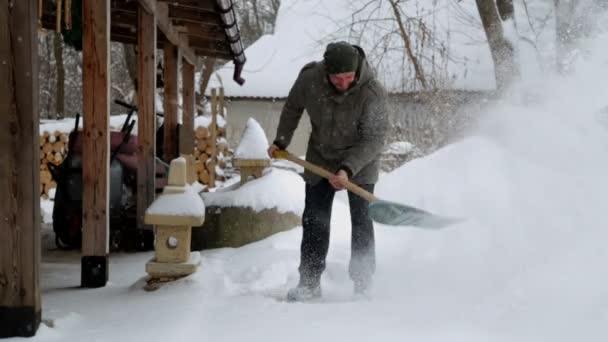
253 144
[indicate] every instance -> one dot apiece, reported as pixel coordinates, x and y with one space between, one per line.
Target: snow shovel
381 211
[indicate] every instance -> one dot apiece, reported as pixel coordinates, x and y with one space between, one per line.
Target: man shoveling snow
348 114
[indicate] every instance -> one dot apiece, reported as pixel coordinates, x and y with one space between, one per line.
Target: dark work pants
315 237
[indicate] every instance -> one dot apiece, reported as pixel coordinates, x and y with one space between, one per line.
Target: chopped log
59 146
58 158
46 148
50 157
201 144
203 177
200 167
48 187
45 177
210 165
201 132
222 147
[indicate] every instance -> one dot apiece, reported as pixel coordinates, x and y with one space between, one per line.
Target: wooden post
19 170
170 102
146 116
96 142
186 136
213 137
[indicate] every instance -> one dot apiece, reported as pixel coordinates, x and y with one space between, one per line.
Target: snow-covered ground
529 264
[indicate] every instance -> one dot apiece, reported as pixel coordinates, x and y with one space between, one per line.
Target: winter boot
302 293
362 289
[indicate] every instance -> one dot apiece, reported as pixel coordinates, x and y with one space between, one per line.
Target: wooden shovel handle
283 154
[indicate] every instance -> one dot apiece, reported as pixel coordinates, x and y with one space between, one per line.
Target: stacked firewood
211 158
53 149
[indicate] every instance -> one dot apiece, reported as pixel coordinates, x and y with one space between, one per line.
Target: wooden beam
208 5
213 53
96 141
164 23
186 136
194 15
170 142
19 170
146 116
214 33
202 43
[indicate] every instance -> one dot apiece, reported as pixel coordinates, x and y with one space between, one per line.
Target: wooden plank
194 15
19 170
202 43
146 118
207 5
221 54
96 141
213 127
215 33
186 136
170 142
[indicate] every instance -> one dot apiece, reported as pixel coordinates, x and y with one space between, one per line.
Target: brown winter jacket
348 129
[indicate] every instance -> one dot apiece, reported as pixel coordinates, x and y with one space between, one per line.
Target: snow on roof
277 189
253 144
303 29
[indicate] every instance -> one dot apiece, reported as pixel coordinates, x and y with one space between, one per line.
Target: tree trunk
502 50
505 9
408 46
60 94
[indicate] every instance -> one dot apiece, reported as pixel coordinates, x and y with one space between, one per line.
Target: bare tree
494 14
573 20
408 45
537 25
401 42
256 18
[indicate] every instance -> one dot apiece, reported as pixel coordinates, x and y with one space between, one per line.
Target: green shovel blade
395 214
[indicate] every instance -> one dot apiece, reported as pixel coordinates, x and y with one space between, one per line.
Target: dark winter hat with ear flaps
340 57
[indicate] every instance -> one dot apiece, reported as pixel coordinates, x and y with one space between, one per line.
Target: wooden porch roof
198 27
